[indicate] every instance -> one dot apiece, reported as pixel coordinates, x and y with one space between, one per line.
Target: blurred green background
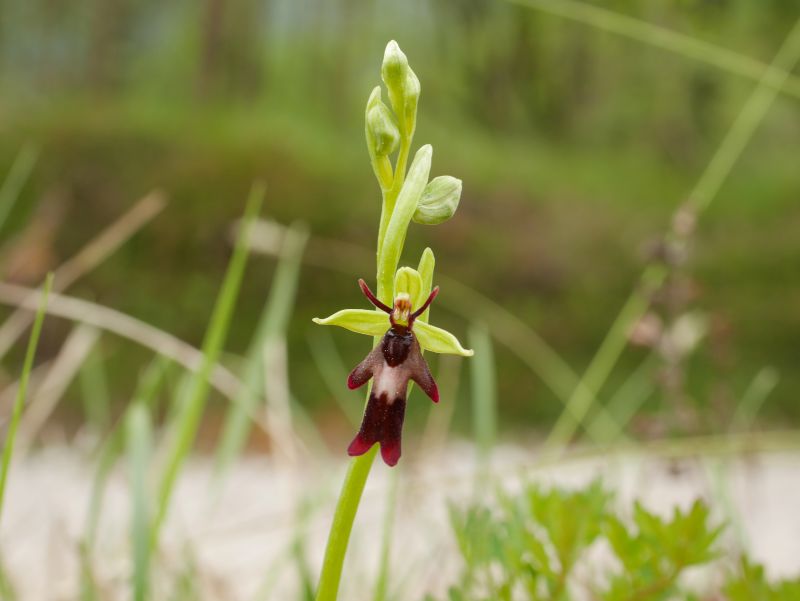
575 146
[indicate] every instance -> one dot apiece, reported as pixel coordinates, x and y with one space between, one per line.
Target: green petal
360 321
438 340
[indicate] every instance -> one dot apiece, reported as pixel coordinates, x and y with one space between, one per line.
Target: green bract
439 200
395 235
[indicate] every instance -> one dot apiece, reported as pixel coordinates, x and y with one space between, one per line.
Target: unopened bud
382 131
393 73
402 84
411 91
439 200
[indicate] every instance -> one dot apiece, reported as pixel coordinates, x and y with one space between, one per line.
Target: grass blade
625 402
666 39
701 196
484 391
85 260
7 592
437 427
19 403
754 397
334 372
124 326
95 395
273 324
139 443
188 420
46 396
149 385
17 176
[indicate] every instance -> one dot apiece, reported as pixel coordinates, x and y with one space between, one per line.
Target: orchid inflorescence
399 322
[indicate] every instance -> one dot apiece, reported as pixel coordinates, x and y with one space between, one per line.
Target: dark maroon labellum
395 361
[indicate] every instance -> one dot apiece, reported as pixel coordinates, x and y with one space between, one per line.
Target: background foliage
575 146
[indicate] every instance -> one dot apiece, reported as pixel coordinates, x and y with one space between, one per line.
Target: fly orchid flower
407 194
395 360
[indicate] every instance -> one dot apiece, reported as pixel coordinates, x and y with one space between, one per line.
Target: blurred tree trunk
230 61
107 31
210 45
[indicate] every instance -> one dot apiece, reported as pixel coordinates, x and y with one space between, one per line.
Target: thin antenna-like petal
372 298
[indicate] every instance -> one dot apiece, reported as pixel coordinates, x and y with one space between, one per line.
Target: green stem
345 514
346 509
358 471
390 195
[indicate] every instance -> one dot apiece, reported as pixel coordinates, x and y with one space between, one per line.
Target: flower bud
382 131
439 200
402 84
411 93
393 73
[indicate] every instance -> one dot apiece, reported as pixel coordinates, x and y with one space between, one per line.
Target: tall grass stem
19 403
188 420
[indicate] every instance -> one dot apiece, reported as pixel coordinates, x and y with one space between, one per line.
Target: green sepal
360 321
438 340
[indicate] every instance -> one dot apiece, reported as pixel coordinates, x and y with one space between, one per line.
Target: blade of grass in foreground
333 370
7 592
753 398
139 443
95 395
273 324
484 393
150 383
19 403
188 420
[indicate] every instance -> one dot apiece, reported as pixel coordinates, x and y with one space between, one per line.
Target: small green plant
531 546
750 583
404 294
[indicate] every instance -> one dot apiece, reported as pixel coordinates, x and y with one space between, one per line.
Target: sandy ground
237 545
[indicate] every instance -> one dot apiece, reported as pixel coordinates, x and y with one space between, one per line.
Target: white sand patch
242 543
